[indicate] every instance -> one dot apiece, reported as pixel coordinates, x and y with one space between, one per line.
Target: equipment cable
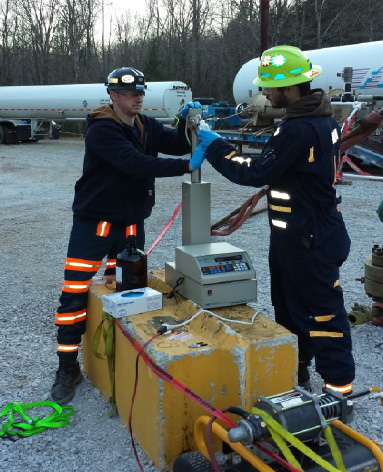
161 373
134 396
248 323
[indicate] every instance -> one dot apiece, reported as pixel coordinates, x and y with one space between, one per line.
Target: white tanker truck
356 69
31 112
28 112
366 60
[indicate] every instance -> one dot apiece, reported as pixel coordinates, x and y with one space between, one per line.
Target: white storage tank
366 59
163 100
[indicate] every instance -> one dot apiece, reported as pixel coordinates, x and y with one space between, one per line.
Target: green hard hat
282 66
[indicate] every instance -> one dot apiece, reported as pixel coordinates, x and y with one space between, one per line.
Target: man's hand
186 108
197 157
206 137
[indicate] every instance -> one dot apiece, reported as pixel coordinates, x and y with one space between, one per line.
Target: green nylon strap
335 451
285 435
21 424
286 451
106 328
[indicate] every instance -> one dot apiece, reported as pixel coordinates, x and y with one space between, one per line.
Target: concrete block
238 363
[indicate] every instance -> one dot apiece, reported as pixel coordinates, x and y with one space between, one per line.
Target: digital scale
214 274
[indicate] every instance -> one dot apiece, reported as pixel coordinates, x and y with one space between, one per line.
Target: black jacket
120 166
299 166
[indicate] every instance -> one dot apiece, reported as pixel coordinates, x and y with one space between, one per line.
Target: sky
135 6
119 8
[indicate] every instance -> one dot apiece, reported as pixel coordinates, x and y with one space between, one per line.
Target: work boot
68 376
304 378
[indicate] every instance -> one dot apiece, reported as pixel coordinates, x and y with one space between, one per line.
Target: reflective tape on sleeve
229 156
277 131
311 156
334 136
242 160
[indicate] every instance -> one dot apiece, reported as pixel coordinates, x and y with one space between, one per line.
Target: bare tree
77 23
8 31
38 21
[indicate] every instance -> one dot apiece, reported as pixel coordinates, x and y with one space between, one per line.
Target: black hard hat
125 78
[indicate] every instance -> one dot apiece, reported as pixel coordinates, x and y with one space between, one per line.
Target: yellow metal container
237 364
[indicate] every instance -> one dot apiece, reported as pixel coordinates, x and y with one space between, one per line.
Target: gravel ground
37 181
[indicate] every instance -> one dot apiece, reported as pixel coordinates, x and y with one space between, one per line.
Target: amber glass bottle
131 267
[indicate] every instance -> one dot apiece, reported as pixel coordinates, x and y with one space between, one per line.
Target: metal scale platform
209 274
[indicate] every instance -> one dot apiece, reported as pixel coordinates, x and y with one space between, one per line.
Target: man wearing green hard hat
308 238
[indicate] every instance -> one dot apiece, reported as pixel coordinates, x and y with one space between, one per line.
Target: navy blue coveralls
115 191
308 241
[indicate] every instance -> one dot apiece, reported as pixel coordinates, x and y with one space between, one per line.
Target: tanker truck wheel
56 132
192 462
2 135
377 315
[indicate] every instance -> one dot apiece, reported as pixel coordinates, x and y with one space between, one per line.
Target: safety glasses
132 93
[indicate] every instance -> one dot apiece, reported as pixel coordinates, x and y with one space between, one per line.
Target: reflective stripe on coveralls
103 228
88 245
73 286
82 264
344 389
131 230
67 347
70 318
110 264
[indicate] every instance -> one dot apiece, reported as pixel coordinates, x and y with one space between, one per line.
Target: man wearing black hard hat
115 191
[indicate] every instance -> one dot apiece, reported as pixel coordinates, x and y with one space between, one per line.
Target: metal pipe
371 445
364 177
196 174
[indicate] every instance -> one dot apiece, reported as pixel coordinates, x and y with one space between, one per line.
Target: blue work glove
186 108
206 137
197 157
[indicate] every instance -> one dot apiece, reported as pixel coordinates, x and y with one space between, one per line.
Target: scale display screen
214 263
223 264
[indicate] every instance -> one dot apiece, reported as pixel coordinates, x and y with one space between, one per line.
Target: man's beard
281 102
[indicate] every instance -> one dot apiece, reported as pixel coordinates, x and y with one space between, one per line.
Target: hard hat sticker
127 79
278 60
312 73
266 60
